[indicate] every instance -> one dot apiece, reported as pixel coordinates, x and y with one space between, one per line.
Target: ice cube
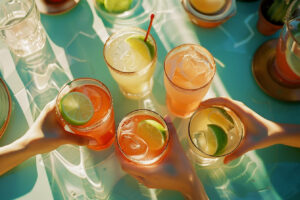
133 146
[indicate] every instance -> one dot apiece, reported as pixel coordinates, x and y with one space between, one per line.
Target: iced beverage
189 71
143 137
213 133
131 61
84 107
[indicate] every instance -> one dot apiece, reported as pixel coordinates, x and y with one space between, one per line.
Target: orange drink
143 137
189 70
84 107
287 62
208 6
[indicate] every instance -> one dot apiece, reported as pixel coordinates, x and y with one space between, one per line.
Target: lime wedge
100 1
76 108
220 116
145 49
117 6
216 140
153 133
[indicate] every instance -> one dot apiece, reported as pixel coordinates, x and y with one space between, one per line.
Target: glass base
184 116
55 7
146 91
202 161
262 64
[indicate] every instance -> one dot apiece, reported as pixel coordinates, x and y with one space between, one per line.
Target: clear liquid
25 36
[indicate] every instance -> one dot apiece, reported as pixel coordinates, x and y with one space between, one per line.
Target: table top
75 49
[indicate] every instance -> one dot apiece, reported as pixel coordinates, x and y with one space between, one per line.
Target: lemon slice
153 133
218 115
216 140
117 6
142 48
76 108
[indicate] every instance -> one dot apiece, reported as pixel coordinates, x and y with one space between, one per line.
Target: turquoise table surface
75 49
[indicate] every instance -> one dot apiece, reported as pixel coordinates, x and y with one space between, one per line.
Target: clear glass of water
20 27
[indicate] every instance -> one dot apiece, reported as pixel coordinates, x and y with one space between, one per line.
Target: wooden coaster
262 65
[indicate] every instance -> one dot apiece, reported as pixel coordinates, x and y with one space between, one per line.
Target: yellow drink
131 61
213 133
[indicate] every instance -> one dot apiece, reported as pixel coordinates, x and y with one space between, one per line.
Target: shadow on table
283 167
243 178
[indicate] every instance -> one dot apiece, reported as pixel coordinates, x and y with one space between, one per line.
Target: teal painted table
74 49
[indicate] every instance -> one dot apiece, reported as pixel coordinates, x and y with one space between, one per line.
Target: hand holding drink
173 171
84 107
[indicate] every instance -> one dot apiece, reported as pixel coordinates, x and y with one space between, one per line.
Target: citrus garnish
117 6
145 49
76 108
216 139
208 6
100 1
218 115
153 133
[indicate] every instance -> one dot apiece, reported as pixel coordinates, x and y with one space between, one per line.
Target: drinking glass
213 133
20 27
286 68
126 64
189 70
101 126
207 13
140 147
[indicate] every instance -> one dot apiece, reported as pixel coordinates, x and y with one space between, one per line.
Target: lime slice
100 1
76 108
218 115
145 49
153 133
117 6
216 140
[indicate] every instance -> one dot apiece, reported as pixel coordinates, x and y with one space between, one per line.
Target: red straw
149 27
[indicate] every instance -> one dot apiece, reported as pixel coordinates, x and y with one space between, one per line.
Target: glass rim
128 116
99 122
124 30
22 19
213 156
112 14
210 18
5 124
288 18
202 48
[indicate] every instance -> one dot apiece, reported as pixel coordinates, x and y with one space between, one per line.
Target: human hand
46 134
173 172
257 129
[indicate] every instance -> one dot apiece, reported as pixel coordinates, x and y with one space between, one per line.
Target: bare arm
259 132
43 136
